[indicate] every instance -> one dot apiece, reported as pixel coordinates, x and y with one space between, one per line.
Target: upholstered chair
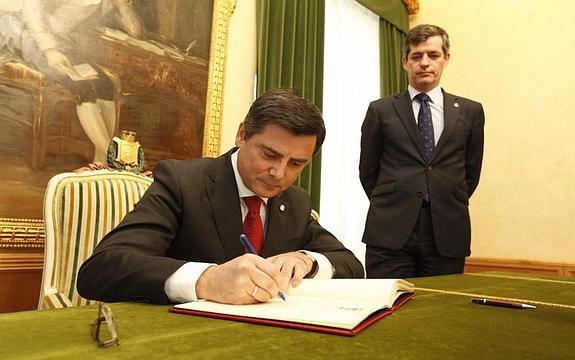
79 209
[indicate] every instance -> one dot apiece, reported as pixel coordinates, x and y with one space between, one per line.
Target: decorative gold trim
494 297
21 233
222 11
20 262
412 6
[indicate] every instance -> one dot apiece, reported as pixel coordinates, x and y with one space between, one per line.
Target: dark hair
286 108
420 33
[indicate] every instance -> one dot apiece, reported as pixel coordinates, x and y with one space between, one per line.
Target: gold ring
255 291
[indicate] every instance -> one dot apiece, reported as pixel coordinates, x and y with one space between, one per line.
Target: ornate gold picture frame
21 232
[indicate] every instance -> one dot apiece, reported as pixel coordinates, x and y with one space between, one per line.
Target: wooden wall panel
522 266
20 281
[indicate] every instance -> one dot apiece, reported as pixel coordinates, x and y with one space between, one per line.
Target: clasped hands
250 278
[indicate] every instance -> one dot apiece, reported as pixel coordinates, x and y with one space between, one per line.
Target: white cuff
181 285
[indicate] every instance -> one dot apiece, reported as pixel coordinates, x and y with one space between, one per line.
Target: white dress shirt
436 106
181 285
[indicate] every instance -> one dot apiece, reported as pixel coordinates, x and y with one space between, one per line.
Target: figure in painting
45 35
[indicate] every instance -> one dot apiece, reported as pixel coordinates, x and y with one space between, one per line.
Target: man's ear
403 62
241 135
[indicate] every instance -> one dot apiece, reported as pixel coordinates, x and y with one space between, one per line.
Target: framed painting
74 74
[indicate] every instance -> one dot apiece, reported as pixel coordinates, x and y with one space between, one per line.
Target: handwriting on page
319 310
347 308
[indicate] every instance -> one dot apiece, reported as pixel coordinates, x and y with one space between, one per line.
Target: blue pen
248 246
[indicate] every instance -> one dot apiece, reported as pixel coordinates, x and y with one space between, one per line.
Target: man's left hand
294 267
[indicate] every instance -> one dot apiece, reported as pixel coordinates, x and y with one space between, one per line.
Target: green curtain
393 78
393 11
393 24
290 54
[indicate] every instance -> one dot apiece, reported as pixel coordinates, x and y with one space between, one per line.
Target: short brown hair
420 33
286 108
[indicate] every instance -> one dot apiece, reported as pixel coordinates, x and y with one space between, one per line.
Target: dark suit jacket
395 173
192 213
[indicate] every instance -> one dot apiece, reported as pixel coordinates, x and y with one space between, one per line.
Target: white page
342 303
81 72
380 291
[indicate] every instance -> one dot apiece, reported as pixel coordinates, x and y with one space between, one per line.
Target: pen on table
248 246
504 303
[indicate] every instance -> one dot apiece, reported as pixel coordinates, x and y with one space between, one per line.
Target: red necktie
253 227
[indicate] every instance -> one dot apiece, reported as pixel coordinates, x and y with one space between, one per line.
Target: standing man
182 240
421 154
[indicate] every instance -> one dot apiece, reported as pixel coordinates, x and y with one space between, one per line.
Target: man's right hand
57 59
246 279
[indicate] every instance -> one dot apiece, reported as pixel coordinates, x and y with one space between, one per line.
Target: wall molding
19 262
18 234
20 281
474 264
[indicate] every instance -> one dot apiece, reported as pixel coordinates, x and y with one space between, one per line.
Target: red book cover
374 317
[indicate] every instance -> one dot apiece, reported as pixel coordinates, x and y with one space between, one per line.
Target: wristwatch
314 266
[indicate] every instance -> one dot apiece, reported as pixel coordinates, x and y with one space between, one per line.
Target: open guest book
334 306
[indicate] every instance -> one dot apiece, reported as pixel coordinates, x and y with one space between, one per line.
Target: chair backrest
314 214
79 209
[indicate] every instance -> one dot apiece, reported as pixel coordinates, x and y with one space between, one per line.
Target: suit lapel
404 110
222 192
220 188
276 217
450 116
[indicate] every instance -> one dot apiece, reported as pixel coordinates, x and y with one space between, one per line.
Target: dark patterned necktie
425 124
253 227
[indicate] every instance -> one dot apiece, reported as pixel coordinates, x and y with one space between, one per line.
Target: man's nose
424 60
278 170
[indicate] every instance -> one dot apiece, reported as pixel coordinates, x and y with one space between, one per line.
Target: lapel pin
282 207
456 105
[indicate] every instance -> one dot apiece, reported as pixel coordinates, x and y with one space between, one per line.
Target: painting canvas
74 73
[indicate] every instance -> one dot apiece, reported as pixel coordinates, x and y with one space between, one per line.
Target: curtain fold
393 11
393 24
290 54
393 78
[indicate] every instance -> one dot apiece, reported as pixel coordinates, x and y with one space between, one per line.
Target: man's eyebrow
425 52
269 149
276 153
305 161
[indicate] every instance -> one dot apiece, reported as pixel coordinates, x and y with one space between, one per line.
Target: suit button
419 194
428 168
